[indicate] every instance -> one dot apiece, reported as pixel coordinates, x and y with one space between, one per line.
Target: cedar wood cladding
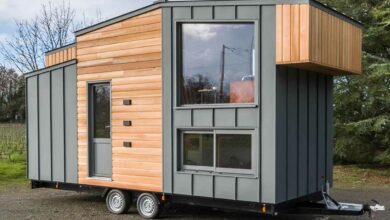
128 54
60 56
313 39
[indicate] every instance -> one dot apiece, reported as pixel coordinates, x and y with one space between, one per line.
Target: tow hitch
329 206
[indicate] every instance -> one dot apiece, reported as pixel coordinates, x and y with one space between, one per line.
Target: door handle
108 126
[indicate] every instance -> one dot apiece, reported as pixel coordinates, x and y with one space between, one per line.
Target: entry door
100 151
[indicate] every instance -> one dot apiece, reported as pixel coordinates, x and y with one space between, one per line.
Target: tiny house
218 103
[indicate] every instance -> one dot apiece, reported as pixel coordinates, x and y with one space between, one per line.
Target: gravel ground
23 203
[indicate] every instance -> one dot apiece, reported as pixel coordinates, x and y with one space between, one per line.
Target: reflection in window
101 110
217 63
234 151
198 149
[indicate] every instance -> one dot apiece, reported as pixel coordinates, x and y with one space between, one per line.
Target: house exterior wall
128 55
60 55
304 132
51 124
232 116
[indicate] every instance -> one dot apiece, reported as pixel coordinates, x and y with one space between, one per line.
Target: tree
51 29
11 96
362 103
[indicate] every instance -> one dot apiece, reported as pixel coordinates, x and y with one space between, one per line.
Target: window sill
212 173
215 106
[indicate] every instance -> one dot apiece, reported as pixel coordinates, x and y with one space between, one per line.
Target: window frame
178 66
214 169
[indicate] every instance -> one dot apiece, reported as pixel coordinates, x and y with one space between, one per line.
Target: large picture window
220 151
216 63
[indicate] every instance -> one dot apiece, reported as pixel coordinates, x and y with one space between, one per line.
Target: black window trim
214 169
177 57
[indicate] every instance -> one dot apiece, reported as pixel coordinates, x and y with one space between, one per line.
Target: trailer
217 103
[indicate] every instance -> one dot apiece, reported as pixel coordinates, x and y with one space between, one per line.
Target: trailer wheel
118 201
148 206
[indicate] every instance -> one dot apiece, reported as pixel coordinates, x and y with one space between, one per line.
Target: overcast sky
11 10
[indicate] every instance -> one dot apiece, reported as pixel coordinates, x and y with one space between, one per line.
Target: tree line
361 103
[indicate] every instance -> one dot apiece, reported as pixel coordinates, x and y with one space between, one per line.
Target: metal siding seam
298 118
51 127
26 128
259 91
39 141
317 116
307 134
64 119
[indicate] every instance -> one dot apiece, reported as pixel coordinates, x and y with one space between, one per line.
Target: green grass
361 176
12 155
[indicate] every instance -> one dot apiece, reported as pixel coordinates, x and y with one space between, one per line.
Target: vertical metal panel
183 184
202 117
268 105
183 118
329 128
202 13
70 86
44 127
57 106
224 12
235 117
182 12
225 187
32 102
247 117
312 136
225 117
281 134
321 157
246 191
292 134
167 97
302 133
203 185
248 12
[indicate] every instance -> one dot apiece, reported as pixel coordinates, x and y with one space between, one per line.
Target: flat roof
172 3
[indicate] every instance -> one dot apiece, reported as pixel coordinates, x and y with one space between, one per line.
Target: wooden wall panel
128 54
310 38
60 56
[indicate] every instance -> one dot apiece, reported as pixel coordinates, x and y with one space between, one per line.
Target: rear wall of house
128 54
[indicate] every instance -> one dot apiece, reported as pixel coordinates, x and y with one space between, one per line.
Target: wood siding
310 38
60 56
128 54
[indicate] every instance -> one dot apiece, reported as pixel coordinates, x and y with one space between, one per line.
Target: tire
148 206
118 201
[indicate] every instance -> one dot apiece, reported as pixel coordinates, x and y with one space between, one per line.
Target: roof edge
117 19
49 52
334 12
50 68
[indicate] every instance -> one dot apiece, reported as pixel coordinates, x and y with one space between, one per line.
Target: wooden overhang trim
51 68
60 49
163 3
336 13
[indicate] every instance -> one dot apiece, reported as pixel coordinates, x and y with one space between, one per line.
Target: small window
101 103
198 149
219 151
216 63
234 151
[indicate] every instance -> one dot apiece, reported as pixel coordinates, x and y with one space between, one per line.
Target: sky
15 10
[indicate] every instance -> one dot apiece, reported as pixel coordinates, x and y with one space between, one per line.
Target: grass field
12 155
13 164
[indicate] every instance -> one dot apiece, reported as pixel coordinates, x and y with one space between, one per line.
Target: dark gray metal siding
303 132
52 145
235 187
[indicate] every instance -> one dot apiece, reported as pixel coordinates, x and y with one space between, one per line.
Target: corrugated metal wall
304 142
51 112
